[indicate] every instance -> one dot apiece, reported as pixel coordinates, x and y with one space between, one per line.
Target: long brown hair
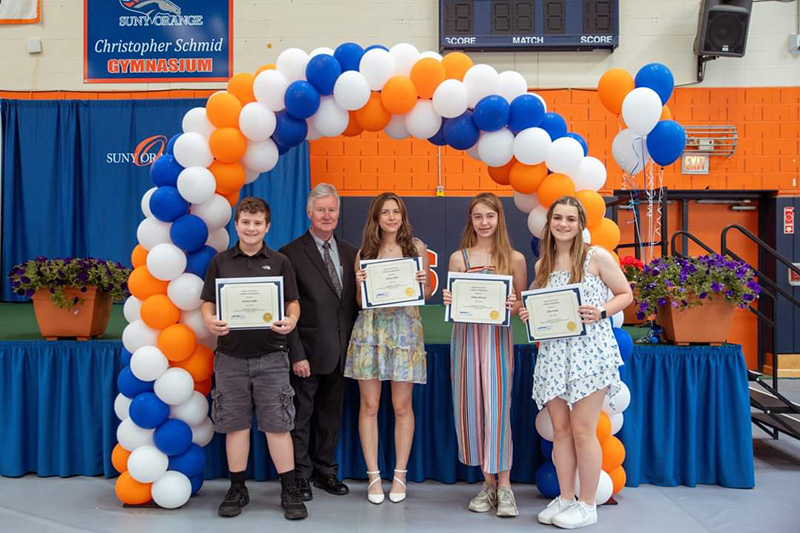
547 248
501 251
371 239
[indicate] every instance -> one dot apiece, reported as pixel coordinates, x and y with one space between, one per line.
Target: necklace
388 250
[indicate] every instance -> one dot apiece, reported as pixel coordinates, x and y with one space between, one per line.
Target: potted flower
632 268
71 297
694 297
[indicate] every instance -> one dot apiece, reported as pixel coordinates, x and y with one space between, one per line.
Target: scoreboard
532 25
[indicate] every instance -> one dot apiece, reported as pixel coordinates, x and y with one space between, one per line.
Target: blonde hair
322 190
371 238
501 252
547 248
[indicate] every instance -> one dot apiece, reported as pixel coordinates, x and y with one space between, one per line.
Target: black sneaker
235 499
292 502
305 489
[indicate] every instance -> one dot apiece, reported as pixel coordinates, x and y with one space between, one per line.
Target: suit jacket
326 321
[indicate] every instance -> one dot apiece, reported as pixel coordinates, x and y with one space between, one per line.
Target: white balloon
148 363
566 156
147 463
321 50
130 436
537 219
270 89
185 290
172 490
256 122
617 403
137 334
544 426
152 232
203 432
166 261
377 66
450 98
405 55
473 151
591 175
630 151
132 309
480 81
146 202
175 386
261 156
196 184
641 110
216 213
219 239
537 95
429 53
194 320
330 119
587 236
616 422
292 64
351 90
250 175
532 146
312 134
605 487
496 148
618 319
193 411
423 122
191 150
121 405
196 121
396 129
511 85
526 202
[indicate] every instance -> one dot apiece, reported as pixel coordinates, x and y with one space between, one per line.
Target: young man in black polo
253 360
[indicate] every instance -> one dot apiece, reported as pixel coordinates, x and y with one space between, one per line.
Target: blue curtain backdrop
70 186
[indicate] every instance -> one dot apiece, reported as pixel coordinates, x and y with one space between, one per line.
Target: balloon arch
242 132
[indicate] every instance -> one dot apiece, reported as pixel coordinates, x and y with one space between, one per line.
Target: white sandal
397 497
375 498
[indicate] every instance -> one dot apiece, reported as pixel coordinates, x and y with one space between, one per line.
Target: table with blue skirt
688 422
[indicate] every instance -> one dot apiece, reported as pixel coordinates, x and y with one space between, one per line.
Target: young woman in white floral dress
573 376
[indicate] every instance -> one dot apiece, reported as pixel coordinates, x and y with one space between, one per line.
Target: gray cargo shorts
240 385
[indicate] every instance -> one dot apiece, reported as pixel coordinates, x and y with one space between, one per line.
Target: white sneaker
555 507
485 500
506 504
577 515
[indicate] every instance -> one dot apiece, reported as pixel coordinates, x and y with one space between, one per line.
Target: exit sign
788 220
694 163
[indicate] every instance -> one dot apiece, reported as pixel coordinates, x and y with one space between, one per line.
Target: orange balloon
456 64
200 364
613 453
594 205
500 175
526 179
427 74
353 127
177 342
119 458
603 427
373 116
666 113
138 256
227 144
241 86
268 66
131 491
230 176
223 110
554 187
158 312
613 87
203 387
232 198
399 95
605 234
143 285
618 478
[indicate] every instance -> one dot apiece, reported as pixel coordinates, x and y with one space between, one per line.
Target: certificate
250 303
392 283
479 298
554 313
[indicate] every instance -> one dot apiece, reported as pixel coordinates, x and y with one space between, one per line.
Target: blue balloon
189 233
197 483
438 139
173 437
657 77
167 204
373 46
148 411
535 246
197 262
322 72
348 55
190 463
547 480
625 343
165 171
282 149
125 357
171 143
289 131
461 132
491 113
666 142
526 111
130 386
581 141
555 125
302 100
547 449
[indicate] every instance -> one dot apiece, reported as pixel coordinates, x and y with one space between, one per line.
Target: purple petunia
716 287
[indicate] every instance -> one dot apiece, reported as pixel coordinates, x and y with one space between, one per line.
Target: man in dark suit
324 268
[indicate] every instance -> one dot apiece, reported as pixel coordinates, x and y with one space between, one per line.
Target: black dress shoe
331 484
236 498
305 489
292 502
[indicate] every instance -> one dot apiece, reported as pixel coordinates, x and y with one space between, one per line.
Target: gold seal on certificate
392 283
554 313
250 303
479 298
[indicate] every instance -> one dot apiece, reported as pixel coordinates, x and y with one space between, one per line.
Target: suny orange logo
433 258
143 155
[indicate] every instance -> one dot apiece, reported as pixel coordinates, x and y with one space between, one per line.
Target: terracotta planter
88 319
630 311
709 323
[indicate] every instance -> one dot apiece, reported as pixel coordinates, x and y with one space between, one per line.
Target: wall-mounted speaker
722 27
